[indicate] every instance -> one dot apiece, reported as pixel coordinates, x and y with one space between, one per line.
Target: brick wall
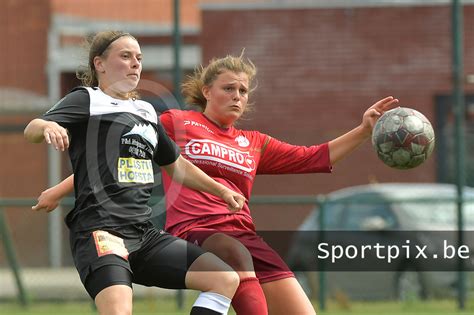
319 69
154 11
24 26
23 174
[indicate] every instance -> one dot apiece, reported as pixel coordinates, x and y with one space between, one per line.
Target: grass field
167 306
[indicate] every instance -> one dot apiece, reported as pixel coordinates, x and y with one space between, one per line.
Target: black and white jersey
113 144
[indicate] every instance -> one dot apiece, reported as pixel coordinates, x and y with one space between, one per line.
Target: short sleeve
283 158
71 109
167 151
167 120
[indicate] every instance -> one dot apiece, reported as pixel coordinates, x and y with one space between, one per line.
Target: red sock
249 298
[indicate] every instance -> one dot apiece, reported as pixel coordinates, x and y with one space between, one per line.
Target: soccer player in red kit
233 157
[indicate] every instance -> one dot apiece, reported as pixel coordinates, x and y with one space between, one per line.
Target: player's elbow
32 133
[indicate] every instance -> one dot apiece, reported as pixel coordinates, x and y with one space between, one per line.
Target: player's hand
373 113
235 201
56 135
47 201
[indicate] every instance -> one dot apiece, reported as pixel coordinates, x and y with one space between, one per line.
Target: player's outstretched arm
345 144
39 129
50 198
186 173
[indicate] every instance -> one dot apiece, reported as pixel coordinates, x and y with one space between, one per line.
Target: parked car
380 209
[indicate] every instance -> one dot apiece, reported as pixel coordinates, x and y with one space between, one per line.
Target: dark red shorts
268 265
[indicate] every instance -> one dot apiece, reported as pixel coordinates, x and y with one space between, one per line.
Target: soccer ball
403 138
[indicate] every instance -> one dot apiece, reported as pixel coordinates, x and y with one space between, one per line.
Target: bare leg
114 300
286 296
232 252
249 297
209 274
217 281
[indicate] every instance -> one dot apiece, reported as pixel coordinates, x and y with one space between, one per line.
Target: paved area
58 283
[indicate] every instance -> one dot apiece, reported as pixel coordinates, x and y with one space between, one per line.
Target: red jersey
232 157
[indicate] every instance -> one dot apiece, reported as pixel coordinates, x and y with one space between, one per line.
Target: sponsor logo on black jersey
145 131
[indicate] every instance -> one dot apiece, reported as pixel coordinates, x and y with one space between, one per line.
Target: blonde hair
98 45
205 76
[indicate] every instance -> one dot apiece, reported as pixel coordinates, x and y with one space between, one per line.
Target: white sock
213 301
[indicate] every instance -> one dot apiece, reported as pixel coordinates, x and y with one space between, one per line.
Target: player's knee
209 273
116 300
227 283
221 282
239 258
118 311
232 252
234 281
116 308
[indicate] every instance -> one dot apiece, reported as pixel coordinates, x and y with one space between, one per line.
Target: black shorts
138 254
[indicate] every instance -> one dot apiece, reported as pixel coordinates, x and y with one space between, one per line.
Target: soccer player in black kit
113 138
